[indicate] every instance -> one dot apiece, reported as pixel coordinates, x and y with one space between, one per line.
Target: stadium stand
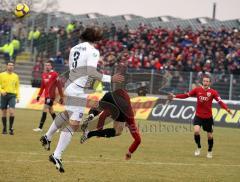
163 46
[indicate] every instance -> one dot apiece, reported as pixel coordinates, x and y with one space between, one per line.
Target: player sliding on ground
117 105
203 116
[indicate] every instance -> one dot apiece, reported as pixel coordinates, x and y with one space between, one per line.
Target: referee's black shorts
8 100
205 123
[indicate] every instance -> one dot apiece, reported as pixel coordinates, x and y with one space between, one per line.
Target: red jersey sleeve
42 87
191 93
54 77
135 134
219 100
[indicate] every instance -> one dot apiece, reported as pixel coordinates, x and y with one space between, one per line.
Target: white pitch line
47 154
127 162
110 161
23 153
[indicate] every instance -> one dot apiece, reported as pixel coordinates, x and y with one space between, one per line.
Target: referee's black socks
210 144
4 122
108 132
197 140
11 121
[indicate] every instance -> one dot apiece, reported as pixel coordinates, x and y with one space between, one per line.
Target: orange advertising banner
142 106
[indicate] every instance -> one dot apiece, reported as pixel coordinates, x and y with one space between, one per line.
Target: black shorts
117 105
8 100
49 102
205 123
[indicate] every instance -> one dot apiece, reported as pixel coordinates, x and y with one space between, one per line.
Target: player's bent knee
61 120
196 132
209 135
4 113
11 112
118 133
118 130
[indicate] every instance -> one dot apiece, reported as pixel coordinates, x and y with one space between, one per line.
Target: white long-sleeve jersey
83 60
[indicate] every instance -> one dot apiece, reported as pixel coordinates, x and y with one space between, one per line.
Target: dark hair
92 34
50 62
206 76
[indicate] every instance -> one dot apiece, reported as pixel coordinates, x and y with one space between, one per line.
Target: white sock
53 128
64 140
58 122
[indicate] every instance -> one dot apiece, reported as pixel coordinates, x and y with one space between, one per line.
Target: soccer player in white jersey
83 60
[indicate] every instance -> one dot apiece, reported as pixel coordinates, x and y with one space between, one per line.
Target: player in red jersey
203 116
117 105
48 86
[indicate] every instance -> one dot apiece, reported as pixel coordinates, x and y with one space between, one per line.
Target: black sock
109 132
11 121
43 119
197 140
93 111
210 144
53 116
4 122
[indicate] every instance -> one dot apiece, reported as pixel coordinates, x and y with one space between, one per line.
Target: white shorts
75 113
76 101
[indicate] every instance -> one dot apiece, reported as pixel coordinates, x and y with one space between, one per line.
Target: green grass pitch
165 154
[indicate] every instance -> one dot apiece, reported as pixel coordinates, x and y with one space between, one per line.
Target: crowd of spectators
5 29
143 48
159 48
179 49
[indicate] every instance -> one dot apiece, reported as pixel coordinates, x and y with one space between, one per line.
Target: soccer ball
21 10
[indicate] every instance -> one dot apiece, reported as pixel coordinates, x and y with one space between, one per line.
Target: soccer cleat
84 137
57 162
37 129
11 132
197 152
4 132
85 122
209 155
45 142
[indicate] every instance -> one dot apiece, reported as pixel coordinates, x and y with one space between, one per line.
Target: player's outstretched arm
171 96
179 96
137 139
221 103
191 93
